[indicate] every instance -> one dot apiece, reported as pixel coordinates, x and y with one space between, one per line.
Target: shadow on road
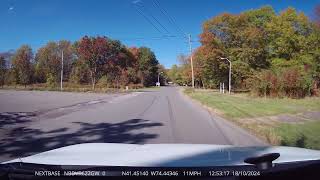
14 118
23 141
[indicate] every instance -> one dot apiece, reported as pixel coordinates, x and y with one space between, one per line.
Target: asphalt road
33 122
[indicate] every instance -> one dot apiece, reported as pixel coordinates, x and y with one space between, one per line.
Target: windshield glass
211 75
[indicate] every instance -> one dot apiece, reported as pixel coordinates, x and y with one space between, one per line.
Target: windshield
217 74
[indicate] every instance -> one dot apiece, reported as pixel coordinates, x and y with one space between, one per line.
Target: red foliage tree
96 51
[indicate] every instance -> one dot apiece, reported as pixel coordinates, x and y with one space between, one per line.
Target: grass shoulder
285 121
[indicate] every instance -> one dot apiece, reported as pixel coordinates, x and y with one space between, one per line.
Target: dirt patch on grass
312 115
265 127
292 118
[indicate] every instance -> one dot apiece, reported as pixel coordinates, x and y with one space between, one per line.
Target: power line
171 19
153 17
147 19
165 37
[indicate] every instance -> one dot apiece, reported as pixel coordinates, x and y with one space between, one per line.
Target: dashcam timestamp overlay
149 173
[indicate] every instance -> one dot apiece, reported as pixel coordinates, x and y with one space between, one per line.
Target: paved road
33 122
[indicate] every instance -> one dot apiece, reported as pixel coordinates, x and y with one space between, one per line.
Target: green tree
173 73
48 61
80 72
259 40
68 57
22 66
148 66
287 34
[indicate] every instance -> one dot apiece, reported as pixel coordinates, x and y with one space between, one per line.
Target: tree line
272 54
90 60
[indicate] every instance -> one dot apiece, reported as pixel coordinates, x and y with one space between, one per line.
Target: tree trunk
203 86
93 83
93 80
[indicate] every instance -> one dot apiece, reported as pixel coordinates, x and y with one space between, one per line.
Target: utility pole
190 47
61 78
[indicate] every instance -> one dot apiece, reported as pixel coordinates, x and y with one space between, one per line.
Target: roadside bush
103 82
51 81
10 78
135 86
79 73
262 83
124 78
288 82
299 140
133 76
296 84
39 74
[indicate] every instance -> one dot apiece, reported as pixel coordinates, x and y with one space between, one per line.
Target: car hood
162 155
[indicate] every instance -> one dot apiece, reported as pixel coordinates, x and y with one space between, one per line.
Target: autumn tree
80 71
96 52
21 63
118 64
133 71
89 60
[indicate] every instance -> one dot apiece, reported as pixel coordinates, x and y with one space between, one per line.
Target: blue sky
35 22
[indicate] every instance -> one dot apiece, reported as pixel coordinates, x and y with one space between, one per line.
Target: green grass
244 106
300 135
252 113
